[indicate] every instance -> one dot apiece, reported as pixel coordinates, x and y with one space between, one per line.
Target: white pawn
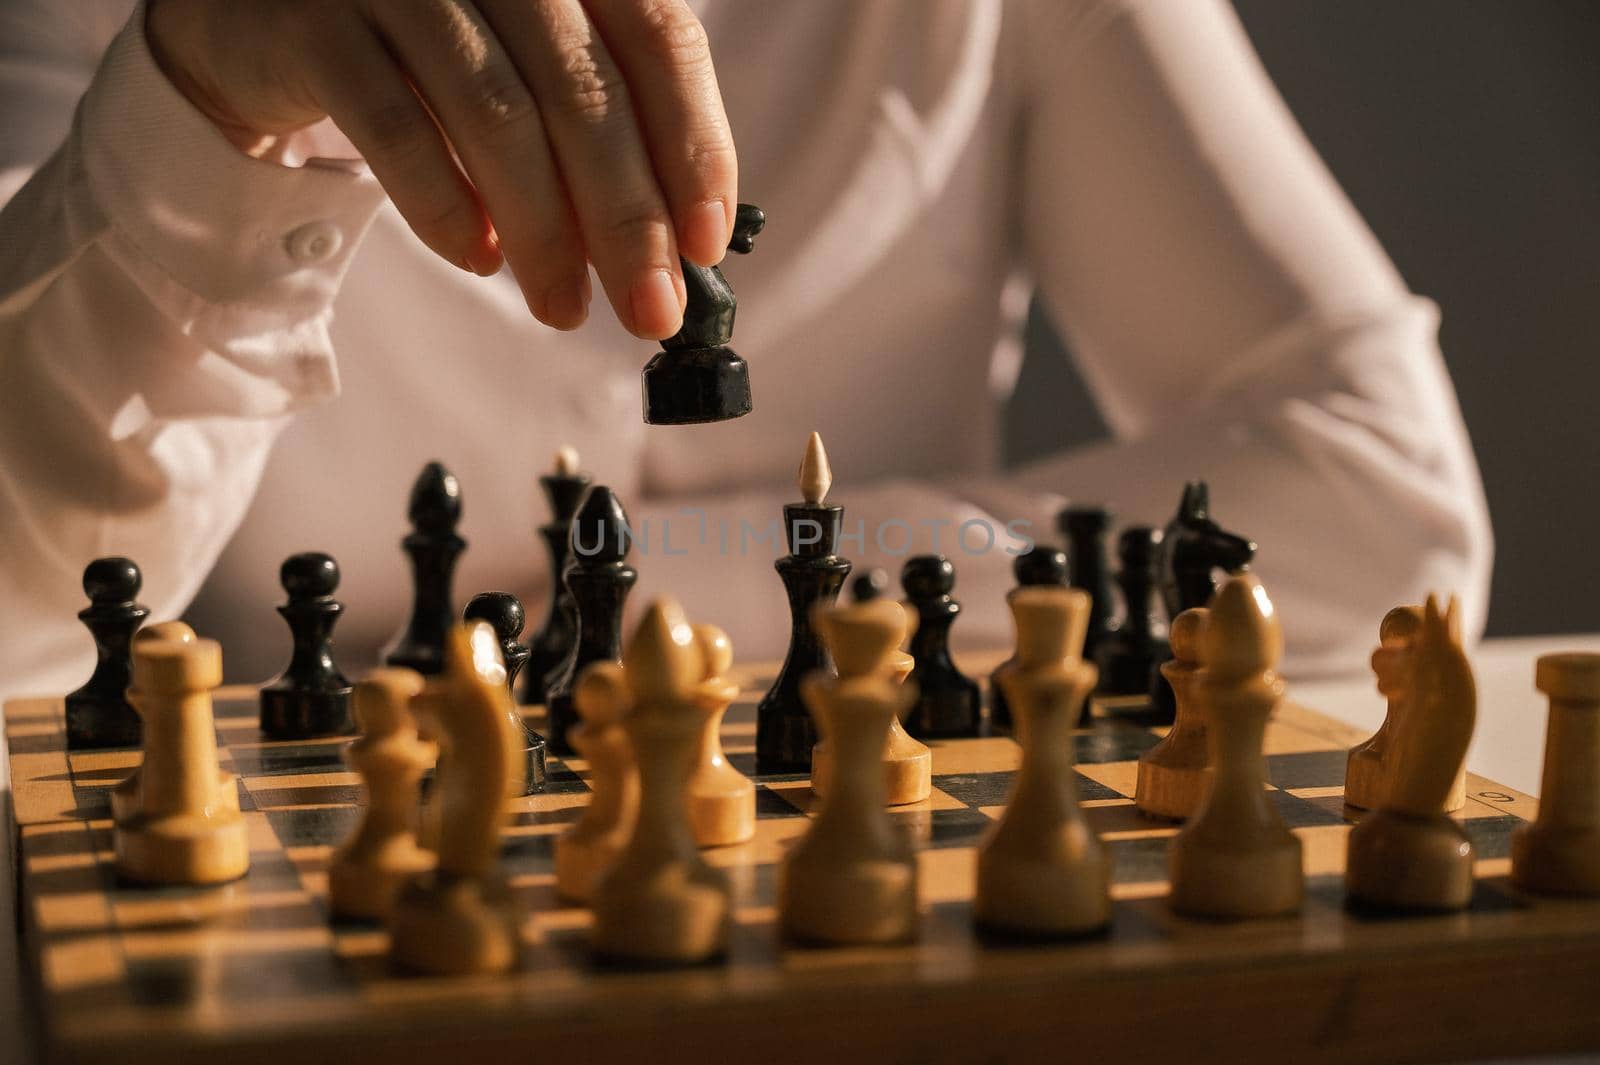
183 824
1173 774
1235 857
852 878
589 847
722 800
459 918
660 903
1042 871
367 870
907 761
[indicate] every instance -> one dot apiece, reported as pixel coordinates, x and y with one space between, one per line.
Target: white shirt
170 312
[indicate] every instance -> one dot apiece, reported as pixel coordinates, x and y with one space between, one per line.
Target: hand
543 133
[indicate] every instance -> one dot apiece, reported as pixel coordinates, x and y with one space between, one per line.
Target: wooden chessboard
255 972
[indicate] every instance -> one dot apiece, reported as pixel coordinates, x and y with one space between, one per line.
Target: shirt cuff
229 229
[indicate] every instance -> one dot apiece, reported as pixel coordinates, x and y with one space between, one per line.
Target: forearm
162 318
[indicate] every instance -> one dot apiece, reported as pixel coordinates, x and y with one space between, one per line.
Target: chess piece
907 763
852 878
1192 548
185 827
722 800
598 578
812 575
589 847
1559 853
98 714
503 612
432 547
696 377
1408 854
1235 858
1042 871
125 795
1174 774
1036 567
947 703
310 697
458 918
1138 644
659 903
1391 662
367 870
1372 763
563 490
869 585
1085 529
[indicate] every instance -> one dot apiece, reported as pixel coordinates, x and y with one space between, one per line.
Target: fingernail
566 306
657 314
705 232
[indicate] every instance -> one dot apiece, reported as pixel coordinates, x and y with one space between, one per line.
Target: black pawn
696 377
503 612
552 643
1039 565
1133 648
1085 529
599 579
433 548
98 714
310 697
948 703
869 586
812 575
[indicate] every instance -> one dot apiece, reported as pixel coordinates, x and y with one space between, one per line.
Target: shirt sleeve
1237 322
164 308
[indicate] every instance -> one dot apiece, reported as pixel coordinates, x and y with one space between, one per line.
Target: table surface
1507 747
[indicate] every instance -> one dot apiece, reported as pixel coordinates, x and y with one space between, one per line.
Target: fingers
371 101
663 53
593 129
493 121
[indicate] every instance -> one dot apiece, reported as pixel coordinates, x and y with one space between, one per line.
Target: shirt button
314 242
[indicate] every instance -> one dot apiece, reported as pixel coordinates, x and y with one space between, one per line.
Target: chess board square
1113 742
262 759
771 802
1307 769
1302 813
306 826
1491 836
1140 860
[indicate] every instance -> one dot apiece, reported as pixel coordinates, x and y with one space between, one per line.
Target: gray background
1468 134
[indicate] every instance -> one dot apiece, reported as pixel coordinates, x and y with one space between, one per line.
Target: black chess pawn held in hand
696 377
310 697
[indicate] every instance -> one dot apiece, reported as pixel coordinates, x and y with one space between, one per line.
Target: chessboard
256 972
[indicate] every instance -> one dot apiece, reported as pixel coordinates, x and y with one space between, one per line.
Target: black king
812 573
